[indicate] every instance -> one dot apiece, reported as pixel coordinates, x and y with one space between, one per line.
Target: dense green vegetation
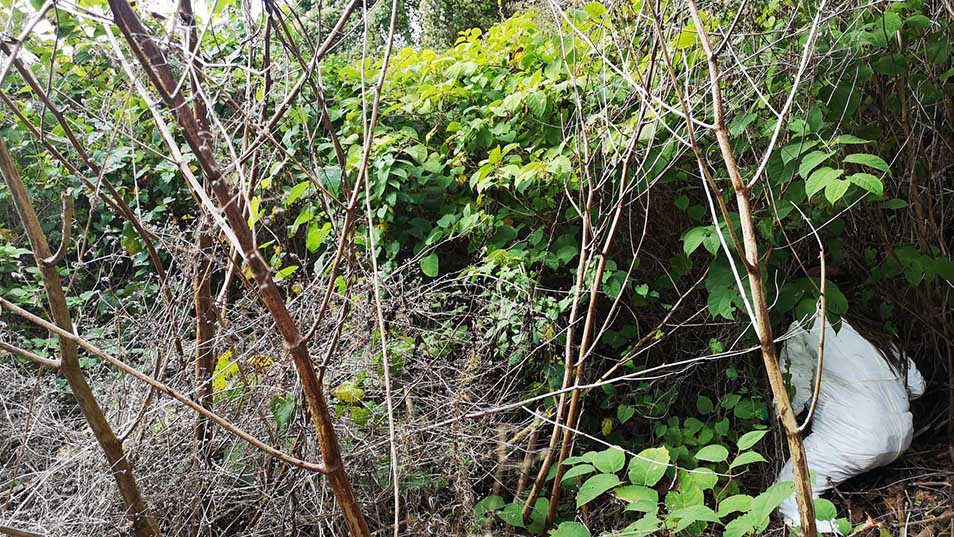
512 176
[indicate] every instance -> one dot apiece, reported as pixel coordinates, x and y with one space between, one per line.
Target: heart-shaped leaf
713 453
595 487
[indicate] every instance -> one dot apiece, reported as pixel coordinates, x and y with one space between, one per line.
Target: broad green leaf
702 477
792 151
944 267
348 392
430 265
316 235
648 467
735 504
768 501
648 525
512 101
868 182
836 189
811 161
570 529
850 139
595 487
538 515
417 152
690 515
512 514
285 272
130 243
918 22
608 461
536 102
487 505
890 64
869 160
297 192
576 471
749 439
938 50
624 413
747 457
574 460
713 453
704 405
820 179
636 493
283 408
824 509
894 204
740 526
694 237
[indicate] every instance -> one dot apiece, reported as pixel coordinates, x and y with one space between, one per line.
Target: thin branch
35 358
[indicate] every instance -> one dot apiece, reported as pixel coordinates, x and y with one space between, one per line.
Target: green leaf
918 22
570 529
430 265
348 392
643 527
285 272
850 139
636 493
487 505
768 501
820 179
735 504
536 102
748 409
792 151
749 457
944 267
749 439
871 161
512 514
890 64
868 182
740 526
702 477
690 515
130 243
417 152
624 413
576 471
811 161
704 405
596 486
648 467
283 408
713 453
894 204
836 189
824 509
607 461
316 235
694 237
938 50
296 192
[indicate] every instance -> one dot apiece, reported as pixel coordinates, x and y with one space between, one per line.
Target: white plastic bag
862 419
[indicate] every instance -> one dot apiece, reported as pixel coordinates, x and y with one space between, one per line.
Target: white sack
862 419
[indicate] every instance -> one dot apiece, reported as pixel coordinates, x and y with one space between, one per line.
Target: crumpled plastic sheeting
862 419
